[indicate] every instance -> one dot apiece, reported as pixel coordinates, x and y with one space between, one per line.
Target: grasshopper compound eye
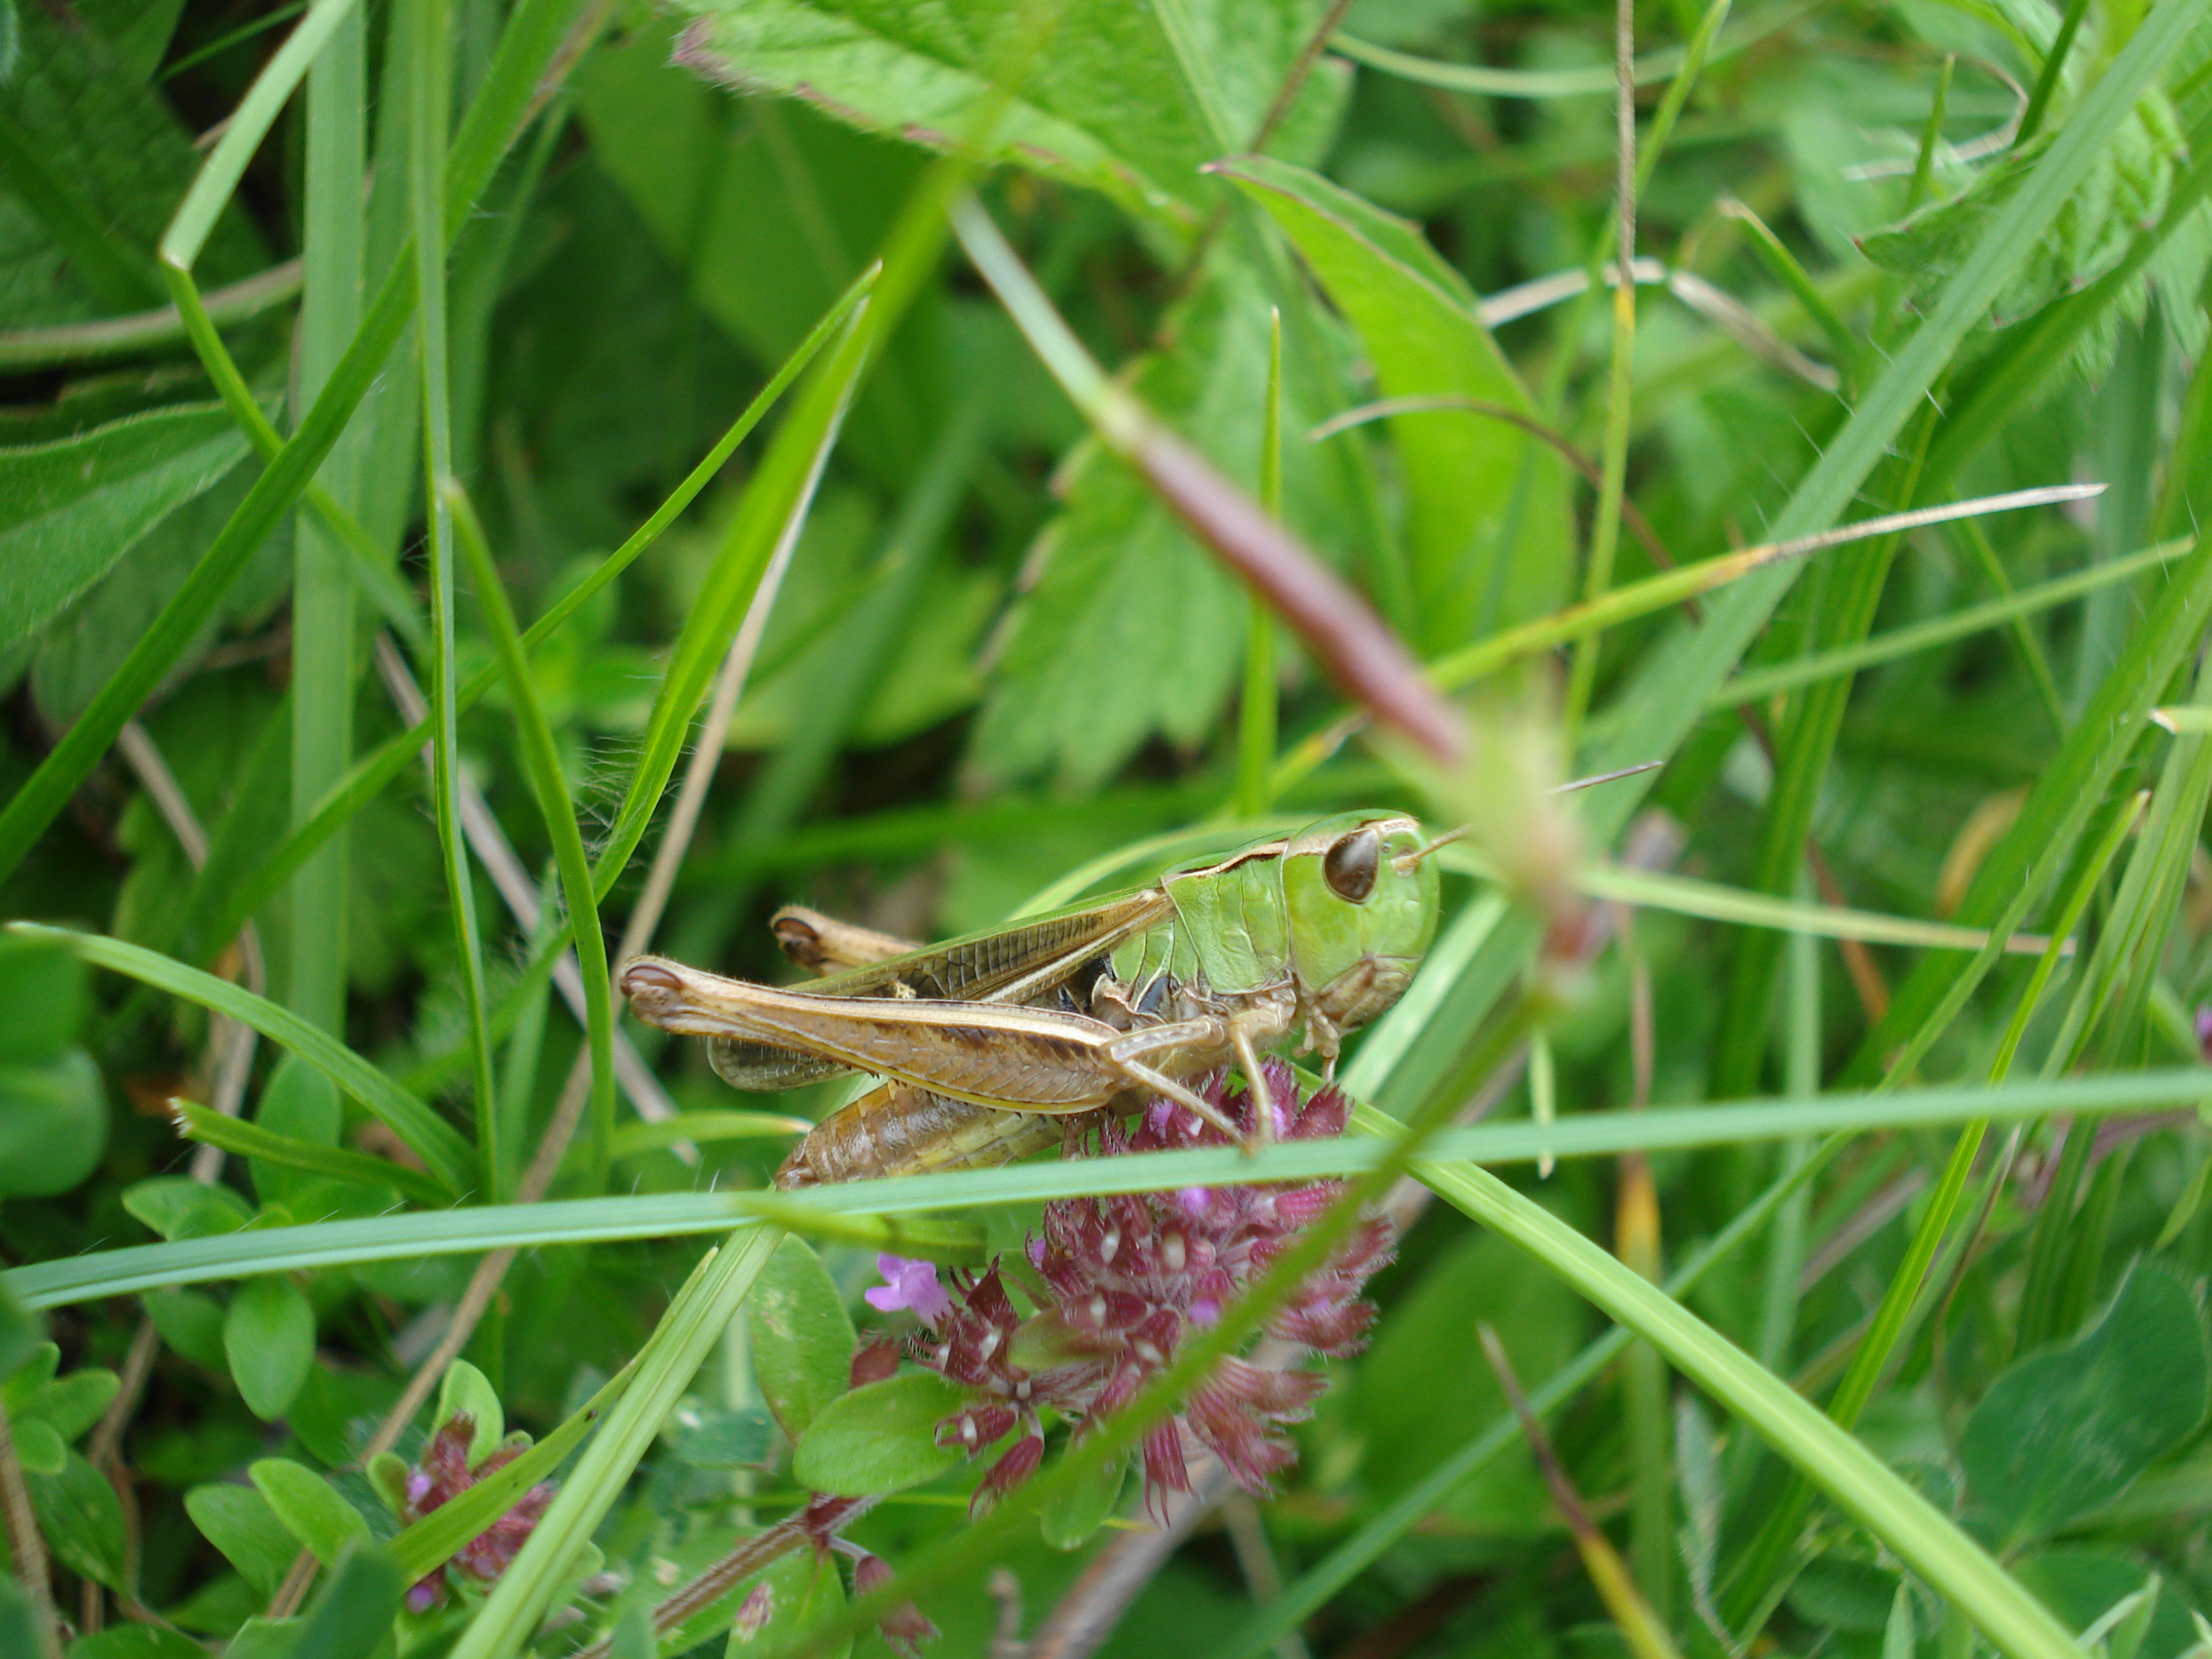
1349 865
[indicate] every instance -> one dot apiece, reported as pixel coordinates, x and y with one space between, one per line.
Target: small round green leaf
37 1448
82 1519
176 1206
190 1323
42 986
238 1521
53 1126
270 1338
467 1392
138 1642
805 1590
880 1439
802 1337
2064 1430
70 1405
1069 1520
310 1510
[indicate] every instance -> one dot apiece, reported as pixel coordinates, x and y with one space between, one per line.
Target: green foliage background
1898 256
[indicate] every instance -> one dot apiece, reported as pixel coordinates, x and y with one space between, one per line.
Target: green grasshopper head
1362 908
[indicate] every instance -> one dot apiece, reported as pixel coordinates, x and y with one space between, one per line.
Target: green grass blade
663 1369
242 134
324 648
1314 1588
582 1221
428 77
1951 1564
434 1141
542 759
1668 697
523 55
1757 684
248 1139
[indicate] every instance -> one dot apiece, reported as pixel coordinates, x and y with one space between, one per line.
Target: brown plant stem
26 1546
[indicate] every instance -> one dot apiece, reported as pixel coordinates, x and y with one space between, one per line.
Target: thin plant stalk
1255 728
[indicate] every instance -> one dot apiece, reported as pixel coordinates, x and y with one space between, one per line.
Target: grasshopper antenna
1608 777
1407 861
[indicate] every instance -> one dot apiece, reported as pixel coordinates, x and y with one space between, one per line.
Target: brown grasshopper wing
822 945
894 1129
1010 964
1035 1059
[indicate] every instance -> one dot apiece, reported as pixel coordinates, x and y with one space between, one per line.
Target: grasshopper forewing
994 1054
1007 964
895 1128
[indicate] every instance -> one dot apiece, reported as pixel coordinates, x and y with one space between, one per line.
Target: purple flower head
1125 1277
910 1284
2204 1030
444 1474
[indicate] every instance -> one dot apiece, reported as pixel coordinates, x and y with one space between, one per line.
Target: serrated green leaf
1126 632
802 1337
96 161
268 1336
880 1439
1106 104
82 1519
2064 1430
69 510
2125 191
467 1391
310 1510
1488 527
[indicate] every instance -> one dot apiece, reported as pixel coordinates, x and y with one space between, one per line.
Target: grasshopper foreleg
1210 1033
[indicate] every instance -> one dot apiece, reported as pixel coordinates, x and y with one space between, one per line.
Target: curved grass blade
249 1140
542 761
440 1148
584 1221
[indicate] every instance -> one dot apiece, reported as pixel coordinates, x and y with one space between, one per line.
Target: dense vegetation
467 468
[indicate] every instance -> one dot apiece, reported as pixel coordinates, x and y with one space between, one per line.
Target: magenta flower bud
755 1611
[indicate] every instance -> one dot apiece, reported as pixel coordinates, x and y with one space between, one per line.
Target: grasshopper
987 1042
